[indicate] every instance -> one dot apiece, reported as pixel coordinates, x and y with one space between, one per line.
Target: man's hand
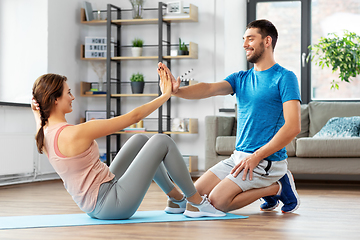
247 164
175 82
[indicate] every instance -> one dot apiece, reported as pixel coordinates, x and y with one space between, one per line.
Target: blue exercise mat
66 220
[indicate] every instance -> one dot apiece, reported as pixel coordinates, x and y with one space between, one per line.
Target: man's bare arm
197 91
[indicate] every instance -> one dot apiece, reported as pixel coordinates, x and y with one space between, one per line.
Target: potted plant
341 53
183 49
137 83
137 47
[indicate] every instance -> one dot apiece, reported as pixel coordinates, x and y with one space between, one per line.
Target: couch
308 157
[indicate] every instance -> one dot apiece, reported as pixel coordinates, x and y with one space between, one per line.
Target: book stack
130 129
95 47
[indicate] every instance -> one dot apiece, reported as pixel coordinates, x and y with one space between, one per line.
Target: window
23 47
318 18
333 17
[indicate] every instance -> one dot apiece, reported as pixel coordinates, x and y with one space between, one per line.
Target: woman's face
65 101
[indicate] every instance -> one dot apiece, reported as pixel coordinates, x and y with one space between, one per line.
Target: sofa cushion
291 148
304 121
340 127
328 147
321 112
225 145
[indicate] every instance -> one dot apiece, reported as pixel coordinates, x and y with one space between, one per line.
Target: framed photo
174 7
91 115
88 11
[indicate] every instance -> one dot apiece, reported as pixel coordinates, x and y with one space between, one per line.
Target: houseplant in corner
137 83
137 47
339 53
183 49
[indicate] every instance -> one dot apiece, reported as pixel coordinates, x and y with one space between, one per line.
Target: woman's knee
140 138
161 138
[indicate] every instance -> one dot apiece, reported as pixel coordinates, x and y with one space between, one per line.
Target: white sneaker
175 206
204 209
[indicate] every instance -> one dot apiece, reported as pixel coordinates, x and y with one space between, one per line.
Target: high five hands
165 82
175 82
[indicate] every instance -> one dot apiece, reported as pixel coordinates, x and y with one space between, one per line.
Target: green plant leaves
137 42
137 77
182 46
342 53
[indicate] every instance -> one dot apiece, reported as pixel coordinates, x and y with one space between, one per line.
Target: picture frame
88 11
175 7
92 115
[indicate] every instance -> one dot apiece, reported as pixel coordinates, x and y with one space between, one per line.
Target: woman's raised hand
165 81
34 105
175 82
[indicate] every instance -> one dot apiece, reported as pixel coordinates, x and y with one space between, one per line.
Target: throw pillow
341 127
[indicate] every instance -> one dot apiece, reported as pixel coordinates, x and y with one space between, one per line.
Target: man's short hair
266 28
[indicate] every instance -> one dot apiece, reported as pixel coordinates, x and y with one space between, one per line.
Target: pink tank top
83 174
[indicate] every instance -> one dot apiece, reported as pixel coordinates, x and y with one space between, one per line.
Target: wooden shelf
193 128
193 54
191 17
86 86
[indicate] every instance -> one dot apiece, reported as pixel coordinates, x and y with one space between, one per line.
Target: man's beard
255 57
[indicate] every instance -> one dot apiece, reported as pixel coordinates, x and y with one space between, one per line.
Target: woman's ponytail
47 88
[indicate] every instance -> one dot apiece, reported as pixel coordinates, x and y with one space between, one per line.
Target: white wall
221 24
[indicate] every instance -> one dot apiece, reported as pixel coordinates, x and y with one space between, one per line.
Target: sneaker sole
174 210
292 184
269 209
192 214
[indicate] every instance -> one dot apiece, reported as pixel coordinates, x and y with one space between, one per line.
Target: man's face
253 45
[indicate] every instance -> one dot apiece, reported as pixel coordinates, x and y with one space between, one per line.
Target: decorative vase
137 8
137 87
136 51
101 84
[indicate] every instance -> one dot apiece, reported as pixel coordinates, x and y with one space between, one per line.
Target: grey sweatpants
138 162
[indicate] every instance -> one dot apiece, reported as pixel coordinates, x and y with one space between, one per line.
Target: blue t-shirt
260 96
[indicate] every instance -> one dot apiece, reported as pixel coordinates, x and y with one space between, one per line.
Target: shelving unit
115 82
193 54
192 17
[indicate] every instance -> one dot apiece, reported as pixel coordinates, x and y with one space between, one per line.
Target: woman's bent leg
134 183
127 154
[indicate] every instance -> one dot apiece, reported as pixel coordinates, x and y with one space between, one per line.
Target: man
268 101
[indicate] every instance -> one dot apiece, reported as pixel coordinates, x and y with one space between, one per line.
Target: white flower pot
136 51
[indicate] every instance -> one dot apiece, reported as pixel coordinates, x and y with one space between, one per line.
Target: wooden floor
327 211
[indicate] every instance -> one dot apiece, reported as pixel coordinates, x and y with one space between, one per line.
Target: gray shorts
265 174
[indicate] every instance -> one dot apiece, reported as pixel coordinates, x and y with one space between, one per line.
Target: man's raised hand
175 82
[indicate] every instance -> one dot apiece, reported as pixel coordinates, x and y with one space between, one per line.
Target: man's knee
219 203
223 194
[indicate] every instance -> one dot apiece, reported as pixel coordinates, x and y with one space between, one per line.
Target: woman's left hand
34 105
165 81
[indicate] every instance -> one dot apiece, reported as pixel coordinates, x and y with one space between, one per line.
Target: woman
113 192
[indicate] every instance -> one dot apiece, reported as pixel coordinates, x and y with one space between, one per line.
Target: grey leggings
138 162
